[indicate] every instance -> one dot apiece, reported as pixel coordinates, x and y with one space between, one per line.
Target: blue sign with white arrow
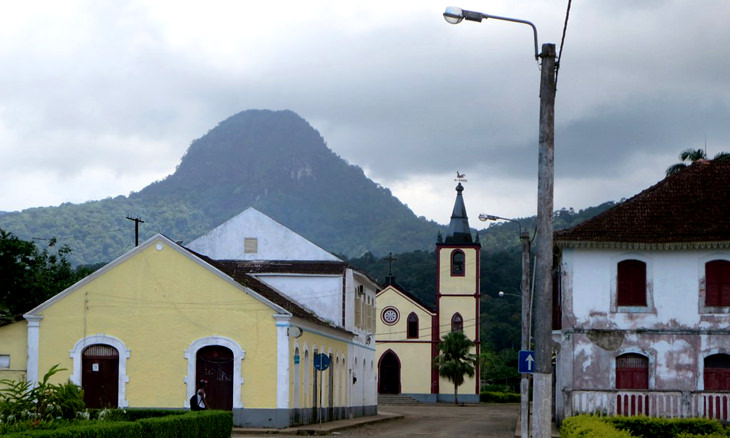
321 362
526 362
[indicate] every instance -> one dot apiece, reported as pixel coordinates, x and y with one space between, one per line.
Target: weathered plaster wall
674 331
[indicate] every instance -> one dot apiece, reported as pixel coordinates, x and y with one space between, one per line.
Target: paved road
443 420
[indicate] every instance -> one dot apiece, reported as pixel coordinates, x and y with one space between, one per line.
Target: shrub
204 424
45 401
712 435
499 397
587 426
649 427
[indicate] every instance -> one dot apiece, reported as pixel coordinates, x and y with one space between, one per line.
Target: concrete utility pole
526 296
526 323
543 378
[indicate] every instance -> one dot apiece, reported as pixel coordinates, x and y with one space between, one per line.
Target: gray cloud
98 99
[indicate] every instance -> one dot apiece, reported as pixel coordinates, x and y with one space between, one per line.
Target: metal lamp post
542 393
526 295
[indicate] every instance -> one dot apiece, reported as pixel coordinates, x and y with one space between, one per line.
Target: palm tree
692 155
455 361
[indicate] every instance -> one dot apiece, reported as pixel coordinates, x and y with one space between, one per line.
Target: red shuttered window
717 372
632 371
717 281
631 283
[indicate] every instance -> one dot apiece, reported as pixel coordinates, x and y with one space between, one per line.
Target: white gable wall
274 241
320 293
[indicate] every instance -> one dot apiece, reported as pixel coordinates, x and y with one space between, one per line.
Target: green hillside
272 160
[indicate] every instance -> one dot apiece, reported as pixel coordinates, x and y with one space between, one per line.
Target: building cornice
641 246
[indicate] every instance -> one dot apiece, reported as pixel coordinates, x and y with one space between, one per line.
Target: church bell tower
457 293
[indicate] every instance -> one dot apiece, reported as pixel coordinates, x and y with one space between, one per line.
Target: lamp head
500 293
453 15
487 217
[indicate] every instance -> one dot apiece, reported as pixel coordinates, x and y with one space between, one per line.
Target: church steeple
459 231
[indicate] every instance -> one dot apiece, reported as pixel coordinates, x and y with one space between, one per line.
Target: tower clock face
390 315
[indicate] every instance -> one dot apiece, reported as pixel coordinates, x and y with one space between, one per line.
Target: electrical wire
562 42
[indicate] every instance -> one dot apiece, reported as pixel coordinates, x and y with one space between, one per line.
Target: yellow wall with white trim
157 302
13 343
307 343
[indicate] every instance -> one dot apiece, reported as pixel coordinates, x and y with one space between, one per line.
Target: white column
34 331
282 361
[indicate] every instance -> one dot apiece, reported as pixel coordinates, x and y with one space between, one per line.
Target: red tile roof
691 206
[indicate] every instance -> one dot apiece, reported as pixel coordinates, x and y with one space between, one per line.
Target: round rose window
389 315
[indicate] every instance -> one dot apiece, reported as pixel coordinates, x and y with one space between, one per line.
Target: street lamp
542 394
526 317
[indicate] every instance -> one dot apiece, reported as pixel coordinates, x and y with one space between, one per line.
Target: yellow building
141 331
408 331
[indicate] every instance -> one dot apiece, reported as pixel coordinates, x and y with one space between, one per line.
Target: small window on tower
250 245
457 323
457 263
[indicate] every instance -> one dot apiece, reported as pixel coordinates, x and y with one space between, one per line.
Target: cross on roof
390 259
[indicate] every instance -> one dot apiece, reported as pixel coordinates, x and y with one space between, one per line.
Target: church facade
408 331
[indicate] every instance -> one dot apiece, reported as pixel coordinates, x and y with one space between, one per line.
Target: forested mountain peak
272 160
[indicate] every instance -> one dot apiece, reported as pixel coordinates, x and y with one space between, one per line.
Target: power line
562 42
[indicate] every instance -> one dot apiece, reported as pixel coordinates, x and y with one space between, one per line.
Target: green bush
649 427
90 430
588 426
203 424
43 402
499 397
712 435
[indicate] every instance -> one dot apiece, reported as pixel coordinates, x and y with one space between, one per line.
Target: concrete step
396 399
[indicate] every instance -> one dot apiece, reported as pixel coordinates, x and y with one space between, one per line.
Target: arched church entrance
215 365
100 376
389 373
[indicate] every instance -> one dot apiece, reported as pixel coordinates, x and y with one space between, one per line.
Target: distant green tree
454 361
500 369
31 275
692 155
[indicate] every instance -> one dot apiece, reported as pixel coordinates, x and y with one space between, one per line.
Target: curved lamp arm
454 15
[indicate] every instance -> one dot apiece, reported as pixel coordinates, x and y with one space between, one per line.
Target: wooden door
215 365
100 376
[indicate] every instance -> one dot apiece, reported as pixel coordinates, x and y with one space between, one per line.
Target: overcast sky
101 98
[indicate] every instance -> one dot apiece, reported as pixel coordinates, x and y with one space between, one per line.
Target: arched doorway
100 376
389 371
215 365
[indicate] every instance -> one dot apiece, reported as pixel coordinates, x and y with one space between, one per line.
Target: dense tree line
30 275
